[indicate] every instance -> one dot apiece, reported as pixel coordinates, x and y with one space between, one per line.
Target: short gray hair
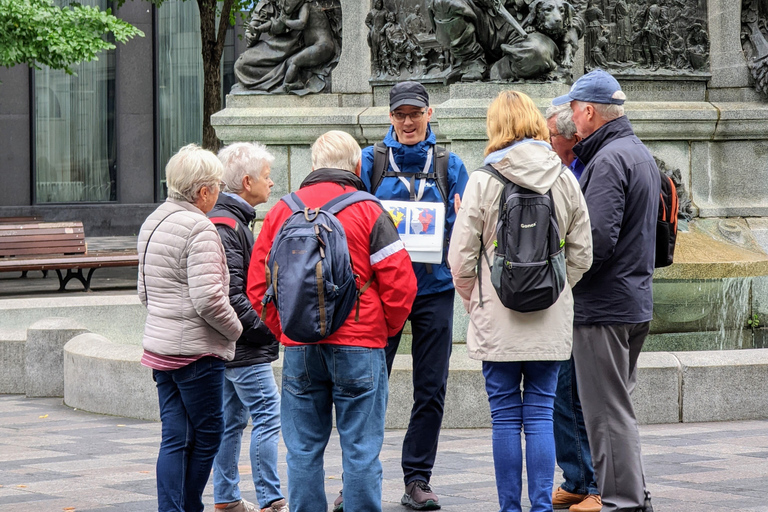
191 169
564 120
336 150
607 111
243 159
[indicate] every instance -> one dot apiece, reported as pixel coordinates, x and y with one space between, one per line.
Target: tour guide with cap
413 168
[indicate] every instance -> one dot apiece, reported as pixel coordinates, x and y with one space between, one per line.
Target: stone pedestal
44 359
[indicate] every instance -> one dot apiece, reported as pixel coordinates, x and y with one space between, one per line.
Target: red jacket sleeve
394 273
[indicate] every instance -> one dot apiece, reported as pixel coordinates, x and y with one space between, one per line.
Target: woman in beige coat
519 347
191 328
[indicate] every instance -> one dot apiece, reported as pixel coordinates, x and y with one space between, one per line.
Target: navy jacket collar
240 211
612 130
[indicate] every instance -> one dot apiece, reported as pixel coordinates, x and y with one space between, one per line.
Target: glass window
75 157
179 81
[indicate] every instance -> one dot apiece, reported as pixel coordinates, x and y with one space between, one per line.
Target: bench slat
87 260
43 250
42 231
10 240
40 225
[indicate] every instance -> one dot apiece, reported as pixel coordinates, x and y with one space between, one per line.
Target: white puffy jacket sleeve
208 279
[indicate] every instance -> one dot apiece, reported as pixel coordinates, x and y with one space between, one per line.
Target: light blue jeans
249 391
354 380
529 410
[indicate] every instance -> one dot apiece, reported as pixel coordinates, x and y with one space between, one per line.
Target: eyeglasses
222 185
415 116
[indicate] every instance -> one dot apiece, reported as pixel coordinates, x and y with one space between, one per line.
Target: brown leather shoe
592 503
563 499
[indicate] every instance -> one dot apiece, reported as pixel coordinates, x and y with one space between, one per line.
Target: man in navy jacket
613 301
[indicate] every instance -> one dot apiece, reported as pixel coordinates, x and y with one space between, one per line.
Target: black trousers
432 326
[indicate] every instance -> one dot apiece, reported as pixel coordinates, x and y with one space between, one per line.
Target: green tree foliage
39 33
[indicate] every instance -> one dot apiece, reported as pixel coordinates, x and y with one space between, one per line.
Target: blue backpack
309 272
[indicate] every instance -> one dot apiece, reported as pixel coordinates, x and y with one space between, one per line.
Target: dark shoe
419 496
647 507
564 499
338 503
592 503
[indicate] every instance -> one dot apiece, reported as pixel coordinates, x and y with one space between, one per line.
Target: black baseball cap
408 93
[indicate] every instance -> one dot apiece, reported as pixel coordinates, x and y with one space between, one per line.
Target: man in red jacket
348 368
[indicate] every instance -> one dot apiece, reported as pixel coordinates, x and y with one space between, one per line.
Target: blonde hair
336 150
191 169
243 159
513 116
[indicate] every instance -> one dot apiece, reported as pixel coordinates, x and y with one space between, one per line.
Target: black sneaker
419 496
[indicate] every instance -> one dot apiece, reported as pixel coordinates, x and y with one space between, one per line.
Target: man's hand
456 203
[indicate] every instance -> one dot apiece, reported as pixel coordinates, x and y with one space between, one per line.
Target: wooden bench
56 246
20 220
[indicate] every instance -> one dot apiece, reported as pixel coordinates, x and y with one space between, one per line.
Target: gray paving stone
106 463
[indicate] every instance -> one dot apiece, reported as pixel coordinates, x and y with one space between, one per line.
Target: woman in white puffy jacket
191 328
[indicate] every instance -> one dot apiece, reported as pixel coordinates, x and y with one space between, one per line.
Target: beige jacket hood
497 333
187 284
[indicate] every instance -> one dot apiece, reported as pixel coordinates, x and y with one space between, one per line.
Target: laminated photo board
421 225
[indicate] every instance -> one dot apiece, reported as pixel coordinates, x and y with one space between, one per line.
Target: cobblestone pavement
53 458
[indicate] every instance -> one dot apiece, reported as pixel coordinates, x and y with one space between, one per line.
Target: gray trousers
605 357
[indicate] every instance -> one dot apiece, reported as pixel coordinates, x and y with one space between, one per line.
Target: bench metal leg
86 280
24 273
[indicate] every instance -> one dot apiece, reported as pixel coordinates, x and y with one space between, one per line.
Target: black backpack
439 171
666 223
528 270
309 272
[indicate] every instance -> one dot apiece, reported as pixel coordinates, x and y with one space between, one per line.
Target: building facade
93 146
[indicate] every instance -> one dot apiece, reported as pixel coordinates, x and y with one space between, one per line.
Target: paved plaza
53 458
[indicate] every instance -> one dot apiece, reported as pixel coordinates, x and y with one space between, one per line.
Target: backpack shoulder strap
380 165
441 174
340 202
294 202
489 169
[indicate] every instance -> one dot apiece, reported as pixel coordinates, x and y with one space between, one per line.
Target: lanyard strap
411 184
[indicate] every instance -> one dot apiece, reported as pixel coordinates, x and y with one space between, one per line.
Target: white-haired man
578 491
613 302
563 136
346 369
249 384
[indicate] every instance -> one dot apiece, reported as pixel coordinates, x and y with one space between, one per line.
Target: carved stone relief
473 40
292 47
647 37
754 30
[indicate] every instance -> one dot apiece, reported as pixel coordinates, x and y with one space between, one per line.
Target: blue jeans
249 391
354 380
192 424
571 443
531 411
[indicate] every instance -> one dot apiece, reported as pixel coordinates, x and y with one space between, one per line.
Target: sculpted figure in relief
292 46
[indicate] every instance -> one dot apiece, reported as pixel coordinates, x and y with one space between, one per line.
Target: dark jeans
571 443
192 426
432 326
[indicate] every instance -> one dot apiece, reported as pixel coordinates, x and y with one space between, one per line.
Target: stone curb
105 377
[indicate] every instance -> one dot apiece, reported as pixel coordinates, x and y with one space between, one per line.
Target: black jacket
257 344
621 186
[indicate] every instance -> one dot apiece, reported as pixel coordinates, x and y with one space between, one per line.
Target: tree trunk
212 39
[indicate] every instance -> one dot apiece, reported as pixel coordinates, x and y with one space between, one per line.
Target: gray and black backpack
528 269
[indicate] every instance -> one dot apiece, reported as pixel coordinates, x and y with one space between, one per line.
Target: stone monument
693 70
